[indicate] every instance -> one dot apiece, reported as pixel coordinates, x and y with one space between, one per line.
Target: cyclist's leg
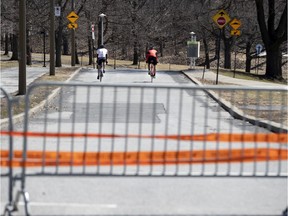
98 67
103 64
148 67
153 62
154 71
102 67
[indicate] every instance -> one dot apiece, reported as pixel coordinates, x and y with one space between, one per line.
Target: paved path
209 75
9 78
198 195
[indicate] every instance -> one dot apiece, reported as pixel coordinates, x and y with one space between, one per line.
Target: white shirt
102 52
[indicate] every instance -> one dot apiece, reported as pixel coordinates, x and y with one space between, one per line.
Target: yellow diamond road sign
235 32
235 23
72 17
72 25
221 18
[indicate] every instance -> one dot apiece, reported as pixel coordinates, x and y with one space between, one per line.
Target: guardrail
146 130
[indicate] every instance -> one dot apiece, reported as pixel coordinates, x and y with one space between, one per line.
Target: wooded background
131 26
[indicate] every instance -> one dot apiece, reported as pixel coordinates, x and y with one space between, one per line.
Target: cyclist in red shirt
151 58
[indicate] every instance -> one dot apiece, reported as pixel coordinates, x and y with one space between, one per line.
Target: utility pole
52 38
22 48
102 28
73 49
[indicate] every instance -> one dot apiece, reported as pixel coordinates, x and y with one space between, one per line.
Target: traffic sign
221 18
72 17
72 25
235 23
235 32
92 31
57 11
259 48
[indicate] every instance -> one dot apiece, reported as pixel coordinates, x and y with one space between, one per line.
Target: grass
247 76
62 74
269 105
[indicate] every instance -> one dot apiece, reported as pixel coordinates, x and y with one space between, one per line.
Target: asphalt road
100 195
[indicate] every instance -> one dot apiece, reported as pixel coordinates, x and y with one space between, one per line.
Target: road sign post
235 24
93 40
72 17
221 18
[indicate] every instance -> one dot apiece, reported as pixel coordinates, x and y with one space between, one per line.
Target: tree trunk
206 50
76 55
11 42
28 49
65 45
227 53
6 44
161 47
135 55
175 47
272 36
58 43
15 48
248 57
274 61
90 47
99 34
58 46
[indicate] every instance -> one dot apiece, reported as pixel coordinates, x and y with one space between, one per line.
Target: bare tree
273 36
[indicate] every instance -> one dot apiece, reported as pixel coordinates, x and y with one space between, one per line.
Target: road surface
146 114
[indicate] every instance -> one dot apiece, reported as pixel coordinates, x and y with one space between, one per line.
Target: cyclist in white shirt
102 56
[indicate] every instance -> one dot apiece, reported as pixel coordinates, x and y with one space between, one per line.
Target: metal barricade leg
9 207
26 201
12 205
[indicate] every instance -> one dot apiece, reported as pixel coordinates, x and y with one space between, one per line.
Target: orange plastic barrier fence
40 158
223 137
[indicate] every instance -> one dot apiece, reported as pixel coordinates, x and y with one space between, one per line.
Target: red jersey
151 53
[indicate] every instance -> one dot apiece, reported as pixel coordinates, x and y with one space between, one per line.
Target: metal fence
145 130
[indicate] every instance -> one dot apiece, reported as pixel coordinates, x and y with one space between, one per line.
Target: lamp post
52 38
102 15
193 36
192 59
44 48
22 48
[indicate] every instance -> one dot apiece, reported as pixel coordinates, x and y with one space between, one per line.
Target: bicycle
152 71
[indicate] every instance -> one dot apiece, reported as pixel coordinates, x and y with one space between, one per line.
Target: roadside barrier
6 102
145 130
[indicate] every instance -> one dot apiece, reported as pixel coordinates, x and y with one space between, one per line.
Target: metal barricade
7 146
149 130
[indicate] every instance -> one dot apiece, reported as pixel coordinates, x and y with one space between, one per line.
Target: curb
239 114
18 118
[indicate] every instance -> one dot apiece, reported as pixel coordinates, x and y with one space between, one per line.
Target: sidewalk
197 74
9 77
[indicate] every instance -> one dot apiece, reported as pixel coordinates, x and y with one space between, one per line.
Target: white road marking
80 205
